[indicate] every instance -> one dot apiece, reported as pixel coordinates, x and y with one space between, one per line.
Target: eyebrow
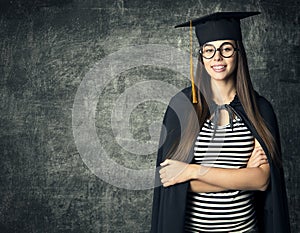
225 41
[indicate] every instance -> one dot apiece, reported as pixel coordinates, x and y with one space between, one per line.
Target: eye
208 50
227 49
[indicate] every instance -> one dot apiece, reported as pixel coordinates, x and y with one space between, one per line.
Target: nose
217 56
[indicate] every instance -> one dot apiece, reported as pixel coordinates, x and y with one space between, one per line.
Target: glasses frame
235 49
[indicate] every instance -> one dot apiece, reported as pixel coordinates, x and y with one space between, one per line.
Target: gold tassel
194 95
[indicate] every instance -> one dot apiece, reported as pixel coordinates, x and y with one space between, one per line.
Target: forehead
218 43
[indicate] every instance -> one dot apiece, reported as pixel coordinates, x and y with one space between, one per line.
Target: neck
223 91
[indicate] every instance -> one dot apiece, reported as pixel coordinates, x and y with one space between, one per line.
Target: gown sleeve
275 212
168 208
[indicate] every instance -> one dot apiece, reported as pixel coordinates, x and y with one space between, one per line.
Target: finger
167 180
257 154
253 159
162 176
165 185
163 181
261 157
261 162
264 160
261 150
162 171
257 160
165 163
169 183
254 154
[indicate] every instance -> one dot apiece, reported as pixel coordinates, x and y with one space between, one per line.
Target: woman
220 159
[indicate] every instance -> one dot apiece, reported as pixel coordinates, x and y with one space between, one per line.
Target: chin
220 77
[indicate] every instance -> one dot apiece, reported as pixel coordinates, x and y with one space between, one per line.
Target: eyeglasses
226 50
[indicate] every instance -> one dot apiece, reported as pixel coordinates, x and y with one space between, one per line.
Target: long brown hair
246 95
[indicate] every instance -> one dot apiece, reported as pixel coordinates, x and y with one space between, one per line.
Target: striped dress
227 211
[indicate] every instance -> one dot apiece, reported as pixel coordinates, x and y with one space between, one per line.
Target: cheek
233 63
206 65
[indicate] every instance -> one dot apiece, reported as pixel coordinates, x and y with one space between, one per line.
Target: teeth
218 67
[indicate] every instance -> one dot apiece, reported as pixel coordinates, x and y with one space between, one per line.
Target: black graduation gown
168 212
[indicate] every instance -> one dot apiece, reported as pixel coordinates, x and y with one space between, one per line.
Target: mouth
219 68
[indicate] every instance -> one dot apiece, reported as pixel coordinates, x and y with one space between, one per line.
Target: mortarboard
216 26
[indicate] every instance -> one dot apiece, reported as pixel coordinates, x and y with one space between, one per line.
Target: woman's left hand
173 172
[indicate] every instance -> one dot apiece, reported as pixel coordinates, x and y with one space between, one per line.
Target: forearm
202 187
233 179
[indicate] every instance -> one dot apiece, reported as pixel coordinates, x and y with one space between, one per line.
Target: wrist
194 170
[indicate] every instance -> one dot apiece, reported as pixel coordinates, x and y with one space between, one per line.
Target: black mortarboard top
218 26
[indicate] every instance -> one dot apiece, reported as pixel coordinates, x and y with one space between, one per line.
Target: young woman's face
220 67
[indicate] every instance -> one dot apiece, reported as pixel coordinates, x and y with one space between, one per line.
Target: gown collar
215 110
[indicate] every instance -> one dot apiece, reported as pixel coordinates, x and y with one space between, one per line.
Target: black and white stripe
228 211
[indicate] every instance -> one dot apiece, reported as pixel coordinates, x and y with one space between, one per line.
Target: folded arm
207 179
231 179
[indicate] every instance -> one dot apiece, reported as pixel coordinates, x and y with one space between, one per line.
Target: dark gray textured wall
47 49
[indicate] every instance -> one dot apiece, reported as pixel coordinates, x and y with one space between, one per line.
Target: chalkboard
84 86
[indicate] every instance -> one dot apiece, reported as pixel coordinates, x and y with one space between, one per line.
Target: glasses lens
227 50
208 51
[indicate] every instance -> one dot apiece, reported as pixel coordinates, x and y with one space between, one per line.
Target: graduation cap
216 26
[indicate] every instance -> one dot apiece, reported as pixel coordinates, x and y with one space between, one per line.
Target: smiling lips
219 68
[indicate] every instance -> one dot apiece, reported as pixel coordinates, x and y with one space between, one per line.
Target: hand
173 172
257 158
